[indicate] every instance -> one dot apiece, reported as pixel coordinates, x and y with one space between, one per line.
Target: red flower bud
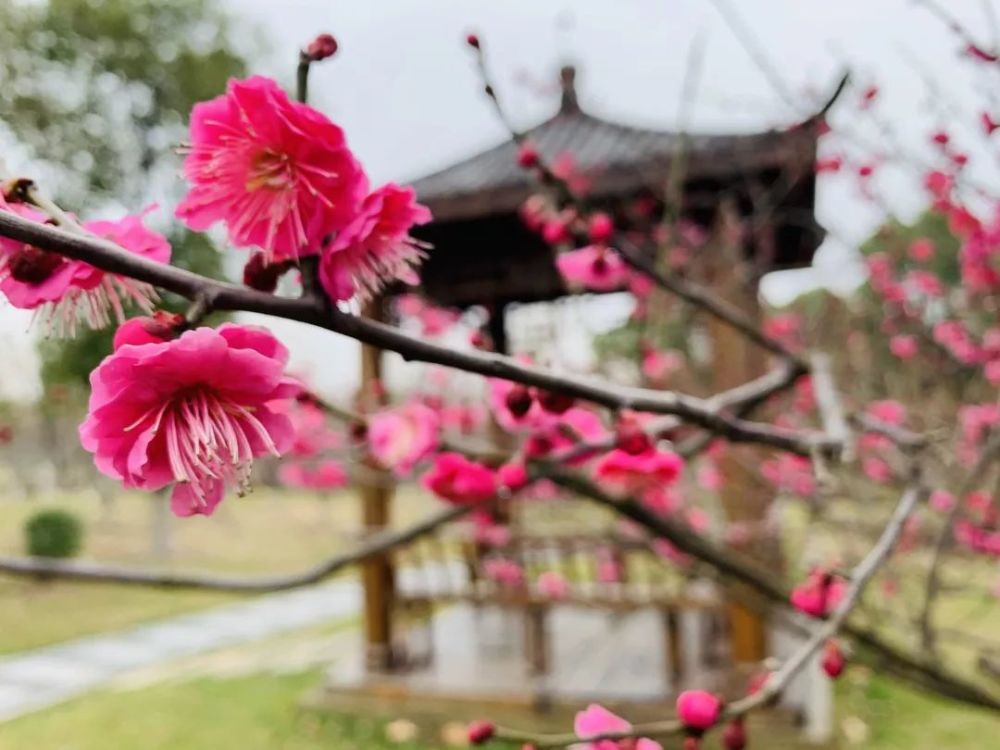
472 40
480 732
601 228
734 736
940 138
527 156
154 329
833 659
322 47
519 401
555 403
631 438
259 275
698 710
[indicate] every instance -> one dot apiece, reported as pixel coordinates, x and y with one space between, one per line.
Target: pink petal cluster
327 474
277 173
503 571
552 585
626 474
65 291
400 438
193 411
596 720
698 710
791 474
594 267
820 593
376 247
455 478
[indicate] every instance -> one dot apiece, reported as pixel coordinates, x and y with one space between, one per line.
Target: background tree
98 94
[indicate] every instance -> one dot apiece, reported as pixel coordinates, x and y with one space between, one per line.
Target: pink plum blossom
819 593
594 267
904 347
942 501
376 248
194 412
553 585
63 291
625 474
455 478
596 720
277 173
400 438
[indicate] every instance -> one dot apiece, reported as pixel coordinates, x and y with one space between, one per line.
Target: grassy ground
267 532
262 713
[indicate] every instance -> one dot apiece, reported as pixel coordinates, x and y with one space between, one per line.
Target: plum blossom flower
504 572
553 585
455 478
376 247
277 173
595 267
596 720
400 438
193 412
819 593
63 291
791 474
625 474
903 346
327 474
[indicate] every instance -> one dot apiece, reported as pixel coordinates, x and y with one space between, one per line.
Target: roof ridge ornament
567 82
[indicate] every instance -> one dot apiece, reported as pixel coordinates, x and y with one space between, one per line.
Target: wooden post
744 498
377 577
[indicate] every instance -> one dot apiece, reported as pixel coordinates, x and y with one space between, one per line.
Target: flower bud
600 228
263 276
555 403
833 661
472 40
322 47
480 732
698 710
527 156
734 736
519 401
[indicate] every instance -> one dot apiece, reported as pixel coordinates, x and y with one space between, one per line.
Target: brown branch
40 568
224 296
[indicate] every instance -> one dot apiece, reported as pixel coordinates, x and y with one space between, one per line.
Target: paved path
36 679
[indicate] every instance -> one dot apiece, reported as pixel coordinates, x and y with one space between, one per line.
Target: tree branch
36 567
224 296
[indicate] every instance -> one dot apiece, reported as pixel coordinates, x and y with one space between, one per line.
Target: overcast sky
404 88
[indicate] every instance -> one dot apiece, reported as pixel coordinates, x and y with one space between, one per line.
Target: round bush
53 533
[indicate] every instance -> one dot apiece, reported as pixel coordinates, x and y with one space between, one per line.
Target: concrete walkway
43 677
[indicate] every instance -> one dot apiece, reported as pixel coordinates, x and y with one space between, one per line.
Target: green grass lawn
263 713
269 531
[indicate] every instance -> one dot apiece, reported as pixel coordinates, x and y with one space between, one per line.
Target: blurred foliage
53 533
97 93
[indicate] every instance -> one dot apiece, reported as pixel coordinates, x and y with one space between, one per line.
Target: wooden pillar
744 498
377 577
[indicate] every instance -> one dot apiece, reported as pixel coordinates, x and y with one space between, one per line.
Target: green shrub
53 533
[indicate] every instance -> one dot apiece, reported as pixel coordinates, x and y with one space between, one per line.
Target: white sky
404 88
